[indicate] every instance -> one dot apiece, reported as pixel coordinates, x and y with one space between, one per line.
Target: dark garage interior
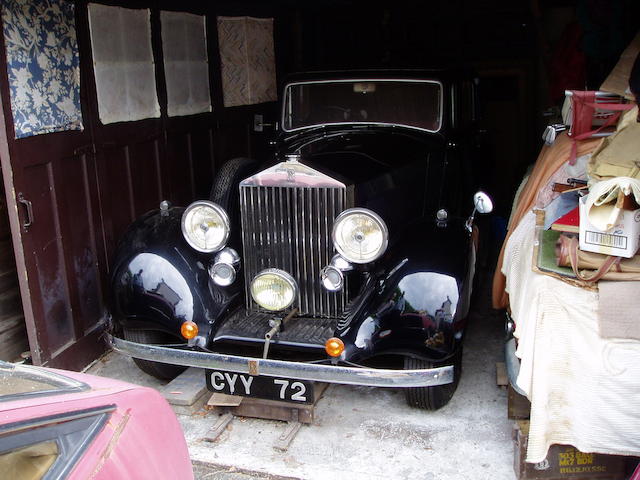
70 194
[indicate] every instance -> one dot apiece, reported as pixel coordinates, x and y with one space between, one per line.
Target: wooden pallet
232 406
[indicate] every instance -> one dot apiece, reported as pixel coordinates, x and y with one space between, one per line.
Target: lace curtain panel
123 63
186 66
247 60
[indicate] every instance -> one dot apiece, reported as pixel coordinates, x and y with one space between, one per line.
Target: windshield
411 103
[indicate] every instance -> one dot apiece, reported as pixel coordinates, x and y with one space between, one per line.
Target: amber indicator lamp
189 330
334 347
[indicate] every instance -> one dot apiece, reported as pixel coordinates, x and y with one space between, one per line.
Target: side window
123 63
465 112
49 447
186 66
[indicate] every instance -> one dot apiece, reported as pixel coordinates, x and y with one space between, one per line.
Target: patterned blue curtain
43 65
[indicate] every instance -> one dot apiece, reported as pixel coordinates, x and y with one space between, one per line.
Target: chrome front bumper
371 377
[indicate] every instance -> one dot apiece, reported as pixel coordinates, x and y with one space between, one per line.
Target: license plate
272 388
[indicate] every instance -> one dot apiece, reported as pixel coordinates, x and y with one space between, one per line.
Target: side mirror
482 204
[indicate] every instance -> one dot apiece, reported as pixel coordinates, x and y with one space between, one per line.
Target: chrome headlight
205 226
225 267
332 278
273 289
360 235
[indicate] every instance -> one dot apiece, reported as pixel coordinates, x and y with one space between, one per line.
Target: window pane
29 463
415 104
18 381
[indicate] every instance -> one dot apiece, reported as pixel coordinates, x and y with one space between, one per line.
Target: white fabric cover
186 65
123 63
584 390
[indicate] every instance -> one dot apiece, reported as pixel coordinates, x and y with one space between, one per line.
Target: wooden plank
278 410
7 259
284 441
186 388
13 338
7 323
220 426
274 410
8 279
10 303
187 392
223 400
518 407
502 379
5 229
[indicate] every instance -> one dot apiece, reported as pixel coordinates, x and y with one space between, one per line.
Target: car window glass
49 447
19 381
465 105
31 462
416 104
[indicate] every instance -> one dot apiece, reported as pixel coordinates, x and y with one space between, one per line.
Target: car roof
441 74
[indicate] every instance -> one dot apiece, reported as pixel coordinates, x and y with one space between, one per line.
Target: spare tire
225 190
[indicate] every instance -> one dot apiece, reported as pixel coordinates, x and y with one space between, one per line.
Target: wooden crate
518 406
564 462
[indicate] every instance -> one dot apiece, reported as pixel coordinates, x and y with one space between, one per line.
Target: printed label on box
622 240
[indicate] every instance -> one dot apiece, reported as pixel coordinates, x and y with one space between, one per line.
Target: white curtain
186 66
123 63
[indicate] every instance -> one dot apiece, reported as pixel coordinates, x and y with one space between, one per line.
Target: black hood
394 172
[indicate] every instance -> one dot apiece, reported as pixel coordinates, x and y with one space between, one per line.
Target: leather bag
591 267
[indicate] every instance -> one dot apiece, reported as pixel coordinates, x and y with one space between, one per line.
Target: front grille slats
290 228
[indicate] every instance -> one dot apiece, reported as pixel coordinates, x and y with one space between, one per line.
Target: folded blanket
618 307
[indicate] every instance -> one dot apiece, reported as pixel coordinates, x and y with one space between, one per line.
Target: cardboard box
564 462
518 407
622 240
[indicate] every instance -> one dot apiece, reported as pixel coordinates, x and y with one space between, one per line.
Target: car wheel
432 398
162 371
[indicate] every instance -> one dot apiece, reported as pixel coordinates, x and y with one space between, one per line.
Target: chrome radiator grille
290 228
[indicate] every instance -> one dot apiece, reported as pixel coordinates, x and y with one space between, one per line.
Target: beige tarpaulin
618 80
619 154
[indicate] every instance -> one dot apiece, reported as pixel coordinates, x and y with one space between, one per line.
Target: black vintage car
346 259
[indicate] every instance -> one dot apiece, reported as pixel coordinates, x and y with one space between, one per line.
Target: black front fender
159 281
419 306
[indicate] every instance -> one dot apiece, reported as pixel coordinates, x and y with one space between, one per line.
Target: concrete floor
366 433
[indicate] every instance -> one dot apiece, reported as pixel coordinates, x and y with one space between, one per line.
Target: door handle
29 211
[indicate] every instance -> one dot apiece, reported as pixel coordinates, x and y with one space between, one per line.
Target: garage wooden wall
86 187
